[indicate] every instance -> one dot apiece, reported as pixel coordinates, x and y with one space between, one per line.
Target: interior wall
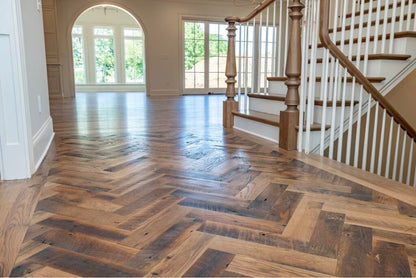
37 84
403 98
25 123
161 23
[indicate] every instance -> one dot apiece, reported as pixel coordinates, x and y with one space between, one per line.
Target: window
104 55
78 54
205 55
218 45
194 46
108 54
134 53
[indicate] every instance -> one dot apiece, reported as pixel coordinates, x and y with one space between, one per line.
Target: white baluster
396 154
409 166
392 26
402 158
381 148
389 147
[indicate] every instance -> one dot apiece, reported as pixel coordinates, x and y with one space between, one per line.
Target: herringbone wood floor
155 187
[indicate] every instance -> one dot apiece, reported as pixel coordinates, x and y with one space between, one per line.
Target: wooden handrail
263 5
354 71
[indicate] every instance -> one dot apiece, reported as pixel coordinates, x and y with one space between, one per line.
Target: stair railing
267 44
358 126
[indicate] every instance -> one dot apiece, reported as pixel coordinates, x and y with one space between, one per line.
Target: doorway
108 48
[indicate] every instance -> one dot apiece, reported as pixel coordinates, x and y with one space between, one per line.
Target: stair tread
278 97
397 35
373 23
314 127
379 56
318 79
271 119
265 118
399 4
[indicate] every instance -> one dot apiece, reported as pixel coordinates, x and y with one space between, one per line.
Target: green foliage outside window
78 59
194 44
104 59
134 60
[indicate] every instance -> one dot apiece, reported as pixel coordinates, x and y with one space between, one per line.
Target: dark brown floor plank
326 236
390 260
354 256
212 263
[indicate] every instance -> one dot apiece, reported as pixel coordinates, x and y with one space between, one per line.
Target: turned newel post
230 104
289 118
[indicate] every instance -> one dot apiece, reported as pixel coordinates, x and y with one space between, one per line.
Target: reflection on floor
137 186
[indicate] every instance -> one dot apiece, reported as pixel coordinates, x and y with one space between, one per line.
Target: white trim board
42 140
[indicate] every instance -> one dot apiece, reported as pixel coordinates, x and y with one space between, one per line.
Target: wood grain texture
153 187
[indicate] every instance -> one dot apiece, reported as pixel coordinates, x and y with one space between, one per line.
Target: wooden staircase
354 33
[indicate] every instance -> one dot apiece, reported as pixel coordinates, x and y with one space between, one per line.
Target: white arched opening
108 50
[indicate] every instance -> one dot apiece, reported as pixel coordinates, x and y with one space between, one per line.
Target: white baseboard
110 88
156 93
41 142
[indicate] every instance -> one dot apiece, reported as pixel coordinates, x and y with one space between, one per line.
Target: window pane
132 32
78 54
134 60
104 60
77 30
189 80
194 54
199 80
103 31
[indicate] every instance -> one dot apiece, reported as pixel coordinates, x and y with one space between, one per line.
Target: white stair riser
374 14
262 130
375 68
318 114
277 87
268 132
267 106
400 46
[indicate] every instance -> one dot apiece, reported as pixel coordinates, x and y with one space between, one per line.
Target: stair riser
267 106
275 107
276 87
373 29
400 46
268 132
262 130
384 68
374 14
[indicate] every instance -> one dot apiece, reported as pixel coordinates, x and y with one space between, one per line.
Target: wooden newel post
230 104
289 118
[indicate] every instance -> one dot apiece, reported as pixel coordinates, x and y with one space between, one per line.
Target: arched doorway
108 50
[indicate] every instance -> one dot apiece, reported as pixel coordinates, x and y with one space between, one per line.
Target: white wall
38 97
161 22
25 133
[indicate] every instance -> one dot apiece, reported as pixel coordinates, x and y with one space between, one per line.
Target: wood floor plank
390 260
303 221
326 236
276 255
212 263
151 186
183 257
252 267
354 257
